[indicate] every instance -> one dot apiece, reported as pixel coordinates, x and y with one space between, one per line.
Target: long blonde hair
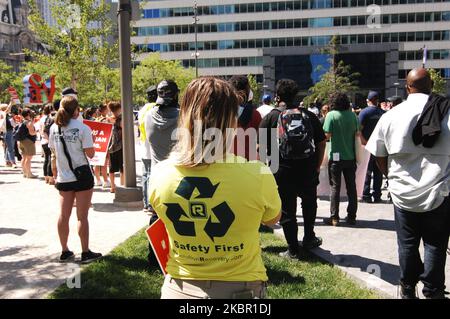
66 110
213 102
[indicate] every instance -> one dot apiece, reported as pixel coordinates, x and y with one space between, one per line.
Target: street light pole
124 17
396 84
196 54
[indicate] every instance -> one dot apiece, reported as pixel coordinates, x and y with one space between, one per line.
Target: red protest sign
14 96
101 132
159 240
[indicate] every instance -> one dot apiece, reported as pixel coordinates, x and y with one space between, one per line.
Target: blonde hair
3 107
66 110
213 102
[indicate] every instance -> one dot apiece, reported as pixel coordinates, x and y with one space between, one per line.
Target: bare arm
90 152
31 128
382 165
320 153
272 221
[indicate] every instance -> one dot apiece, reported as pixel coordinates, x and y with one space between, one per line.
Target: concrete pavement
367 252
29 244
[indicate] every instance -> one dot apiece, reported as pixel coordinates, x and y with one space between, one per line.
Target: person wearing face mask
248 120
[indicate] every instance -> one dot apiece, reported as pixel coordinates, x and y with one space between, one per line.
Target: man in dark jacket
296 177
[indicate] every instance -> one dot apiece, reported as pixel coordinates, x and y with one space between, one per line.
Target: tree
338 78
440 85
256 88
6 80
80 55
153 70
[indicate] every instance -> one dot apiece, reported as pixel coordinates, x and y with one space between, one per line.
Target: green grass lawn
124 273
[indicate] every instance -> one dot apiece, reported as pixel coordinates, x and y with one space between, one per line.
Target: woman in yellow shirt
212 202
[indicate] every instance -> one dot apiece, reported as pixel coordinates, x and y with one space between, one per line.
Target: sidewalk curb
362 278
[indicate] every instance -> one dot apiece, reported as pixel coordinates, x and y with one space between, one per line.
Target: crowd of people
216 167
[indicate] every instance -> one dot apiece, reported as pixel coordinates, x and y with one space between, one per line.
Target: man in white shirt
419 186
266 107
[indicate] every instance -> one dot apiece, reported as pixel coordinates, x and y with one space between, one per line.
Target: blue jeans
372 169
146 169
10 154
433 228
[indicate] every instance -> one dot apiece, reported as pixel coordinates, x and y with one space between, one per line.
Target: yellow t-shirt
212 214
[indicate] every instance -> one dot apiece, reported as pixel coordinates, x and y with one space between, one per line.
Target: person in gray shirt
162 120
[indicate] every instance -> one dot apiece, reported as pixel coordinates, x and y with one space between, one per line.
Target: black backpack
20 132
48 124
295 135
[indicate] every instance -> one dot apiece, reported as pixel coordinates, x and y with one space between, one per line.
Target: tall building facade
14 33
381 39
44 7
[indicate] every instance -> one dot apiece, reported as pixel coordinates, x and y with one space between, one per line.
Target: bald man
419 186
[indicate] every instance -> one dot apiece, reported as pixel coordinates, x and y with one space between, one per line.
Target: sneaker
312 243
98 183
331 221
106 184
66 256
377 200
287 254
350 220
89 256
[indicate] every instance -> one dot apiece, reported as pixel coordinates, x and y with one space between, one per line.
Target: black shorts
116 162
75 186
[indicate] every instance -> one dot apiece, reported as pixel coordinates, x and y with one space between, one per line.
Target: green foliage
153 70
80 56
338 78
256 88
440 85
125 273
6 79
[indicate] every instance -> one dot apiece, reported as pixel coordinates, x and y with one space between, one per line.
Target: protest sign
14 96
159 240
101 132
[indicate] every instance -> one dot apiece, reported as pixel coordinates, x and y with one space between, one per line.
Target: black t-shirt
294 170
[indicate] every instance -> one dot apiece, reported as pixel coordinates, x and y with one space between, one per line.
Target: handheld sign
14 96
37 90
101 132
159 240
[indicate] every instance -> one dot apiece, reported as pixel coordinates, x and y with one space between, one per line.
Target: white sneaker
98 183
107 184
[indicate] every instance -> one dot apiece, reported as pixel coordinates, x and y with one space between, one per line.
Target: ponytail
66 111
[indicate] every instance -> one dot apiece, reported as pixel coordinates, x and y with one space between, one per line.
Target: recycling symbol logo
198 210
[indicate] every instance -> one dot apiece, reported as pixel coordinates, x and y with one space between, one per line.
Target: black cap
151 89
167 91
395 99
68 91
372 95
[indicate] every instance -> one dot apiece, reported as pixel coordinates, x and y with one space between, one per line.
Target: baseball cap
151 89
372 95
266 97
69 91
167 91
395 99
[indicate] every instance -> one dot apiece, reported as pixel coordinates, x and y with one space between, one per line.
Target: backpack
20 132
295 135
115 144
48 124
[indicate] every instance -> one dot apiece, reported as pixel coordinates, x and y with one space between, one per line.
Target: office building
381 39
